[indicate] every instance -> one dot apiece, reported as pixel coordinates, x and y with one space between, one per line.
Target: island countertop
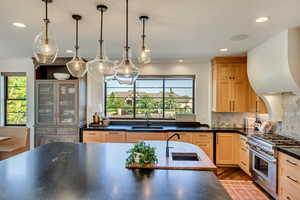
64 171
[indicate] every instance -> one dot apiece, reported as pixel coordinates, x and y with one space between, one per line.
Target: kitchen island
95 171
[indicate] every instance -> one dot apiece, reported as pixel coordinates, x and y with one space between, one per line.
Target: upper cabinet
231 89
229 85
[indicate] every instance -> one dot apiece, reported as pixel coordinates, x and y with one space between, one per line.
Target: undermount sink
185 156
147 127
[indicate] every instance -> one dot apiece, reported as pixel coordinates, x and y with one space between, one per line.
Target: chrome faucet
148 123
167 148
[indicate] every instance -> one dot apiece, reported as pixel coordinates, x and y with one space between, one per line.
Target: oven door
264 171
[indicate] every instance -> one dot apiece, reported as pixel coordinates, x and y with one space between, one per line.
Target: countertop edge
290 153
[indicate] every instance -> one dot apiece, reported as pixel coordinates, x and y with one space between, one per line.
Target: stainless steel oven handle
262 156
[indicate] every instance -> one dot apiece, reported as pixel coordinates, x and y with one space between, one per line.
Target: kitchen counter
291 151
64 171
245 132
204 163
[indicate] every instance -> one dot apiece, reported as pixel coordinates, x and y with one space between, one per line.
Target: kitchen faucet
167 148
148 123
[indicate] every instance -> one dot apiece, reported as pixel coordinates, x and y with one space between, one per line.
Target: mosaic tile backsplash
291 116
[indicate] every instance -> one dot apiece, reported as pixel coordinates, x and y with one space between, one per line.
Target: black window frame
6 99
153 77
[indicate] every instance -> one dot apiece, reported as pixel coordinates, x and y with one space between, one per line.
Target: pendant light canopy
45 48
77 67
126 72
101 65
145 55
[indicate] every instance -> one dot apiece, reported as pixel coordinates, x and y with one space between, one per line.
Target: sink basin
147 127
185 156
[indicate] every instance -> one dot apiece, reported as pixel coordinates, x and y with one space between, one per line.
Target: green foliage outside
16 100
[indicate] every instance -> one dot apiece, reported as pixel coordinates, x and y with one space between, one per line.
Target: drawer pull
91 133
292 163
288 198
243 163
292 179
244 149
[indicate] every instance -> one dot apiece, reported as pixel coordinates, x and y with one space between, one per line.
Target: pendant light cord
101 36
127 47
143 36
47 21
77 46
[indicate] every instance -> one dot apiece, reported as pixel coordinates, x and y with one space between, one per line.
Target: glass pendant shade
77 67
145 56
126 72
45 49
101 66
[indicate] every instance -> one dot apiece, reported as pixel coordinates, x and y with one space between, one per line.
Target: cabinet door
224 97
224 72
252 101
94 136
205 142
240 95
115 137
67 103
45 103
262 108
227 149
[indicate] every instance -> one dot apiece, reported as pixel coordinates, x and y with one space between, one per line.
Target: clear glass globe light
126 72
77 67
145 56
45 49
101 66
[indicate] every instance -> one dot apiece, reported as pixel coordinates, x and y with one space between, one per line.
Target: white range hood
274 68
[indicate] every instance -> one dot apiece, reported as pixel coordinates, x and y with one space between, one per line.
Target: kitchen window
162 97
15 100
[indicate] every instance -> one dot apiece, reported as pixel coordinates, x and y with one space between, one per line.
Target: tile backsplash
291 116
232 120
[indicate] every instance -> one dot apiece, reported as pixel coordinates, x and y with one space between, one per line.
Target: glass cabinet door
45 106
67 103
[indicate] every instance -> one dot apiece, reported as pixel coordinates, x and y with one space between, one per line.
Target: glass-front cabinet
58 115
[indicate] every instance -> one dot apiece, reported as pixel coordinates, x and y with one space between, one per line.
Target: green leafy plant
141 154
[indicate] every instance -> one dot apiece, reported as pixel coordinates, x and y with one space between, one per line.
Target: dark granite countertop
291 151
63 171
245 132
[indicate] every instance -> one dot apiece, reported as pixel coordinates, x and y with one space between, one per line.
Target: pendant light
101 65
145 55
45 48
126 72
77 67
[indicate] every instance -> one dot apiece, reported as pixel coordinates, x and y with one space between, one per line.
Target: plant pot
137 157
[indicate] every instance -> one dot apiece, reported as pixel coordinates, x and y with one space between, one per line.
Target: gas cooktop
276 139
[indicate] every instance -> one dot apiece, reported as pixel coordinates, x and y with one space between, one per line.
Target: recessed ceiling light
69 51
261 19
180 61
19 25
224 50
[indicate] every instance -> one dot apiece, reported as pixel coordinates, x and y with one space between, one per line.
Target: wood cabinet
288 177
231 88
104 136
60 110
256 104
244 155
227 149
134 137
230 84
205 142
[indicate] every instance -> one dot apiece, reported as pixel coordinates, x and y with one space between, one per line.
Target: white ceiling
178 29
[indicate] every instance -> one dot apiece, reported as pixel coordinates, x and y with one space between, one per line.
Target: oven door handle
263 157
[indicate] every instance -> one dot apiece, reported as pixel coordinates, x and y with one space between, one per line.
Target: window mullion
134 100
164 98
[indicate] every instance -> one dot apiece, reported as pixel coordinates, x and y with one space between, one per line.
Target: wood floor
232 173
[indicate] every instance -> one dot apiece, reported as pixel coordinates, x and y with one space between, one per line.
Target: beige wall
20 65
202 70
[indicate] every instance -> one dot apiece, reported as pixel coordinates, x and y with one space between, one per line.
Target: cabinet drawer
289 190
243 141
202 136
133 137
115 137
93 136
184 137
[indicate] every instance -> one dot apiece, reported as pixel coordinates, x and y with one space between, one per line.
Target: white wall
202 70
20 65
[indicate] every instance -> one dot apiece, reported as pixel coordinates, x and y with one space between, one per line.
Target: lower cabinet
133 137
244 155
104 136
205 142
226 149
288 177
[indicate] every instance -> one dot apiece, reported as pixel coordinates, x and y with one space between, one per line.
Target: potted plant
141 154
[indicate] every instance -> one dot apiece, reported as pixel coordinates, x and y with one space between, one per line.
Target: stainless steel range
264 159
